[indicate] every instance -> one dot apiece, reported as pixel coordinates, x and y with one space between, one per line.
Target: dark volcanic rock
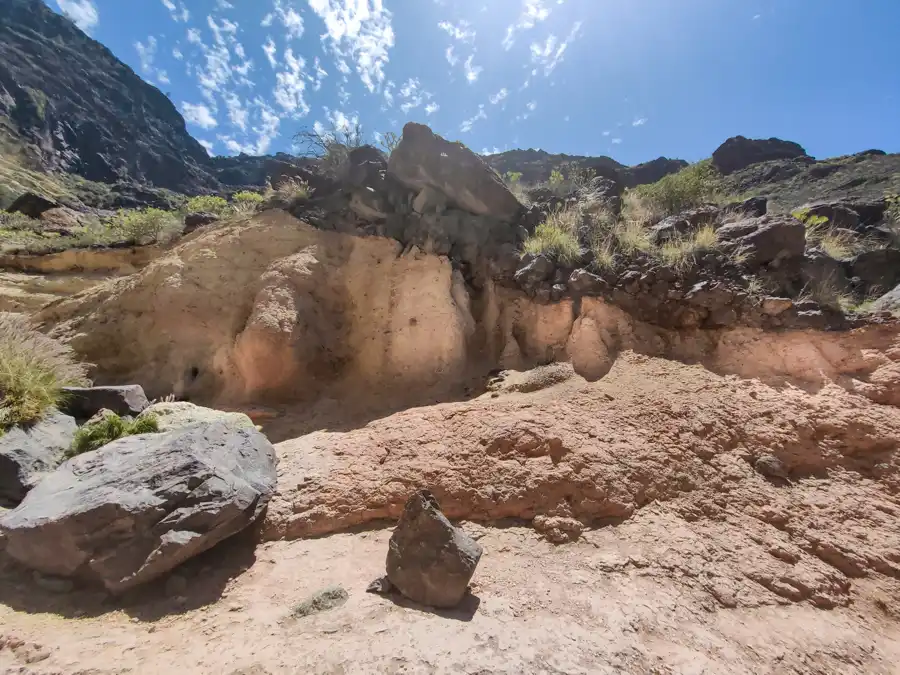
27 453
767 238
738 153
650 172
753 207
534 272
429 560
77 108
32 205
194 220
140 506
878 269
84 402
424 159
889 302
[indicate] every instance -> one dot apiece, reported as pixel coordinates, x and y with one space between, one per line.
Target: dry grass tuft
293 189
33 370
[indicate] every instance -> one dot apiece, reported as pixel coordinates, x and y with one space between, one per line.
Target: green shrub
693 186
208 204
293 189
246 197
513 177
33 370
556 178
146 226
111 427
20 222
555 237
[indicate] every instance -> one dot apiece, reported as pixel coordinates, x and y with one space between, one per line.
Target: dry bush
33 370
293 189
331 146
555 237
681 252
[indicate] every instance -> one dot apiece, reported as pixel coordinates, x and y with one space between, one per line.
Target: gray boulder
26 454
877 268
171 415
582 282
766 239
889 302
738 153
137 508
424 159
84 402
429 560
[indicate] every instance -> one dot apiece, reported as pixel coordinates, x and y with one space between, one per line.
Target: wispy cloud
83 13
178 12
467 125
461 31
271 50
452 59
222 5
639 122
499 96
290 85
548 54
198 114
360 31
290 19
472 71
616 141
412 95
146 53
206 144
432 108
533 12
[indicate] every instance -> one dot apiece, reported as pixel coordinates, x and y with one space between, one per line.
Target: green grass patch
33 370
110 428
691 187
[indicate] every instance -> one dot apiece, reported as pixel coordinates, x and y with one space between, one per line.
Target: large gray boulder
27 453
138 507
424 159
84 402
765 239
738 153
429 560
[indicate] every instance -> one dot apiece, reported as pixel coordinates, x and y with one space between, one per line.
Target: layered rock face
77 108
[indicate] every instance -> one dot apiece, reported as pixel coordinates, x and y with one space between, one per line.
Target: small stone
381 585
771 467
321 601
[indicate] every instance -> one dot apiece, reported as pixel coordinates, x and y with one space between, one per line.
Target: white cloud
267 20
531 105
639 122
472 72
193 35
533 12
410 95
499 96
199 115
432 108
290 19
548 54
270 49
340 121
321 74
389 93
607 133
237 113
179 12
467 125
757 16
452 59
146 53
290 85
258 139
360 30
163 77
83 13
206 144
177 53
461 31
223 5
616 141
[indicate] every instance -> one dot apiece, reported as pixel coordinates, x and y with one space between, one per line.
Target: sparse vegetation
691 187
19 222
147 226
111 427
331 146
208 204
388 141
555 237
833 242
246 201
293 190
33 370
681 252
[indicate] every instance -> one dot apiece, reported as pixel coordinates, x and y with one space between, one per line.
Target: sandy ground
606 604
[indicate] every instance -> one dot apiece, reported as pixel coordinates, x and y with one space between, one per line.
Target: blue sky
633 79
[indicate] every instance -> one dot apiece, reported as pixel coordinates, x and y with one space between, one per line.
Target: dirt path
612 603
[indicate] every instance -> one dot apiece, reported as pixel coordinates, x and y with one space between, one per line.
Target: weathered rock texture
429 560
85 402
138 507
738 153
651 429
26 454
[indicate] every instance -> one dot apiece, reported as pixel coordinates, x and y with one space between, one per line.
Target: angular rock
32 205
766 239
738 153
137 508
838 214
26 454
180 414
772 306
583 282
682 223
710 295
84 402
424 159
369 204
192 221
878 267
429 560
752 207
889 302
534 272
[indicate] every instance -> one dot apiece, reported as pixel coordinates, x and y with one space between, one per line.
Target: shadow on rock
198 582
464 611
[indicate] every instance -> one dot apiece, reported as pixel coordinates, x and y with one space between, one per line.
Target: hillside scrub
691 187
218 206
33 370
147 226
555 237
